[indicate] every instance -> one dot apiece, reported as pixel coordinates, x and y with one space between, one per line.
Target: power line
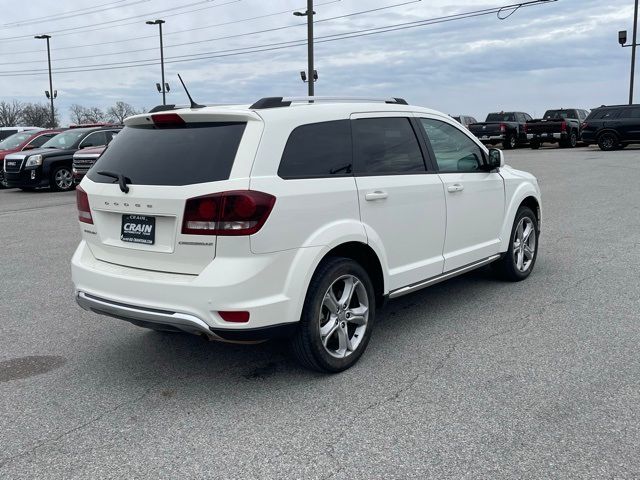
175 32
72 14
103 25
284 45
237 35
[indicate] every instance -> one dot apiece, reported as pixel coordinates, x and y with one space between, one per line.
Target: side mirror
496 158
28 147
86 145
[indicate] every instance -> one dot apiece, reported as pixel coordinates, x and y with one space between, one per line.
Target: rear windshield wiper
122 180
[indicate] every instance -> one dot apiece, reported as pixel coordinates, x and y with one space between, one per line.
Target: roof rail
275 102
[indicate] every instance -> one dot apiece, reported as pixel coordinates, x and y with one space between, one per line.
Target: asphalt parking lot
473 378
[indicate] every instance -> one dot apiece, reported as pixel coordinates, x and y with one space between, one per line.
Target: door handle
377 195
455 188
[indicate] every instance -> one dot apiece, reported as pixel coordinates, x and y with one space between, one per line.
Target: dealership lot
470 378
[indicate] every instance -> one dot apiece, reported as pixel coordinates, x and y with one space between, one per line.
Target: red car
83 160
26 140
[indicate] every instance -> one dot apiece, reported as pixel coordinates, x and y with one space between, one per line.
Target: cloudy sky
563 53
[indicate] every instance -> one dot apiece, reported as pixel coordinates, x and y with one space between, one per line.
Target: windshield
501 117
15 140
65 140
195 153
553 114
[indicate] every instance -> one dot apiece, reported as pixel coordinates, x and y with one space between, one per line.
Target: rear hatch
163 160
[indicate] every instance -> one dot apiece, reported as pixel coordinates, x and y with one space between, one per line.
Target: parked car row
609 127
44 158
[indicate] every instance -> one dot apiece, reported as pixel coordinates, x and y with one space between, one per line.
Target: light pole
311 70
165 88
622 39
50 94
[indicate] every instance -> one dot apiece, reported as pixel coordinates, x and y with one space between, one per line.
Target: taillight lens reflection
235 213
84 211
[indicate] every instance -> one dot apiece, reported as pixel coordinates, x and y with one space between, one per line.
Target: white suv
291 218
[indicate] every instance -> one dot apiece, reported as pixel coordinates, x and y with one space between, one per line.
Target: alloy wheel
524 244
607 141
63 179
344 316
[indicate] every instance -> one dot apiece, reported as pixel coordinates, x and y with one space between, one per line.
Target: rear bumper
143 316
546 137
263 285
490 138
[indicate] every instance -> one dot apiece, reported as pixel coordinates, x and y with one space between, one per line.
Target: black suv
612 127
51 165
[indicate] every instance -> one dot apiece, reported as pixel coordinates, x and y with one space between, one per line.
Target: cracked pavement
472 378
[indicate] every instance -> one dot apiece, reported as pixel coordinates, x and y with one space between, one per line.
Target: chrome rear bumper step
145 316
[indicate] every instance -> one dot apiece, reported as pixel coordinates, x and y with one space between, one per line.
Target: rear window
560 114
195 153
501 117
318 150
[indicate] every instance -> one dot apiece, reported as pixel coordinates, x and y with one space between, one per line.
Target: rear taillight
526 128
563 127
84 211
503 127
584 125
236 213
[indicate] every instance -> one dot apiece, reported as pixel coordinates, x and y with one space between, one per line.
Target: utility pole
633 52
310 66
164 88
50 94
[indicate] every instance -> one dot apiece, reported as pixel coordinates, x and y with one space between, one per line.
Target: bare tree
120 111
94 115
80 114
38 115
10 113
76 113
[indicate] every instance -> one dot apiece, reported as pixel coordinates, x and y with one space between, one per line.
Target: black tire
2 184
507 267
573 139
306 344
510 142
608 141
61 179
534 145
570 142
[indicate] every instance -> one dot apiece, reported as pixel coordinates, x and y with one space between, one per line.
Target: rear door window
633 113
386 146
318 150
195 153
96 139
